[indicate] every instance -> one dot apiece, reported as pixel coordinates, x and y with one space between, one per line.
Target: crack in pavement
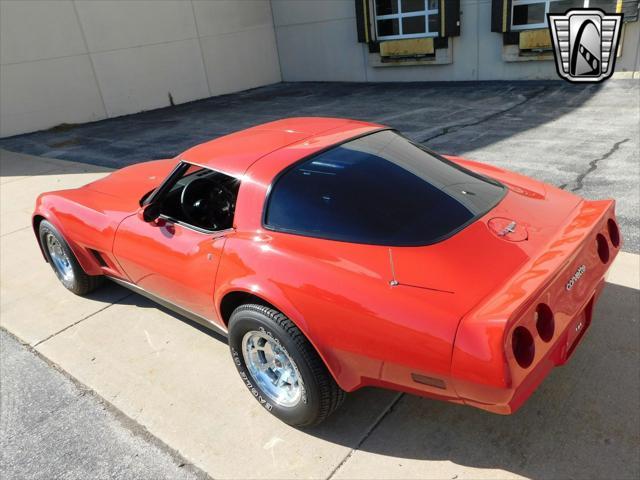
15 231
367 434
593 165
40 342
455 128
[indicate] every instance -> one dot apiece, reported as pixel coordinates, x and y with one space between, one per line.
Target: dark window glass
564 5
528 14
388 27
608 6
413 25
434 23
209 202
412 6
386 7
378 189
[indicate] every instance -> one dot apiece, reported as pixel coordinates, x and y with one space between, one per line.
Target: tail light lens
614 232
523 347
603 248
545 324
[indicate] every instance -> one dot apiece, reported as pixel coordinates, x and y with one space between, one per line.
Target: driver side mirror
150 213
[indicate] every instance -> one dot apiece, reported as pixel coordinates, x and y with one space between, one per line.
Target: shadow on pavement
583 422
423 111
15 165
581 137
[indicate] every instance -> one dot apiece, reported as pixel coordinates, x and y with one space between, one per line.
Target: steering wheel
207 204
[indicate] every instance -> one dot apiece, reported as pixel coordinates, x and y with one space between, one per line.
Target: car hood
483 256
127 185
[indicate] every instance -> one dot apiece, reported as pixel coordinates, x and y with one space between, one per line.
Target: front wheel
64 262
280 367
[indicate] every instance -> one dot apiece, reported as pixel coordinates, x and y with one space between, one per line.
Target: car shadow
15 165
582 422
131 298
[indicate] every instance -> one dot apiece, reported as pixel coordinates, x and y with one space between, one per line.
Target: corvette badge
576 276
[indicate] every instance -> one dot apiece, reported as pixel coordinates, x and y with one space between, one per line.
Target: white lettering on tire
254 391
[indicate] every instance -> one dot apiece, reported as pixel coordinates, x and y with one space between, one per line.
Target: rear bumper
497 364
557 355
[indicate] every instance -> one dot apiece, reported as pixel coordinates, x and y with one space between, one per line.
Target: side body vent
98 256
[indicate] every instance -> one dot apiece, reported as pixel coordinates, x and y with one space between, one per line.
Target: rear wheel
280 367
64 263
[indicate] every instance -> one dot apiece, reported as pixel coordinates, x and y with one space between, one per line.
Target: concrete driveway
177 381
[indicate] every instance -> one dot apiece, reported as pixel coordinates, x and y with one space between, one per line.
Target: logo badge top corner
585 43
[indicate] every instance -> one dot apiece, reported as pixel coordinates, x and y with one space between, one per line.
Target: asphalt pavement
585 138
52 427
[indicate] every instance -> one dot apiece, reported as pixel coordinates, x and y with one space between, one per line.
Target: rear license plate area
578 328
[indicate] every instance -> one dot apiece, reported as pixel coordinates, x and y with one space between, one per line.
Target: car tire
64 263
310 395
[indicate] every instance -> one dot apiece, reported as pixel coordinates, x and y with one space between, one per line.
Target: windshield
379 189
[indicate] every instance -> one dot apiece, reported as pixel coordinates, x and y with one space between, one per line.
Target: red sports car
337 254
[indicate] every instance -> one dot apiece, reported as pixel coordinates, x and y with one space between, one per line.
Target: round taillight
614 233
603 248
544 322
523 348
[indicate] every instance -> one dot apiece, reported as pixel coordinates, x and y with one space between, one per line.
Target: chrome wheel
272 368
59 258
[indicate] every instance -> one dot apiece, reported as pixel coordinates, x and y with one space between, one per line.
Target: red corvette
337 254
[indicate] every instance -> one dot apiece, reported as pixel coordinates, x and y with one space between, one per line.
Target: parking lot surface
178 383
584 138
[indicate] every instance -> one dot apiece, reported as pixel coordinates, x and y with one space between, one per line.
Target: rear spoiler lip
604 206
522 270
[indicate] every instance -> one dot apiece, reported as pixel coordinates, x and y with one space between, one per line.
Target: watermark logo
585 42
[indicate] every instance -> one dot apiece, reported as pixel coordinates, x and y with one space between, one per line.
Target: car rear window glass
378 189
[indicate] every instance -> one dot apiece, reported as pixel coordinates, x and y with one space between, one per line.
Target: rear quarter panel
339 295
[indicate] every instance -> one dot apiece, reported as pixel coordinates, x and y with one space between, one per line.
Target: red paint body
450 317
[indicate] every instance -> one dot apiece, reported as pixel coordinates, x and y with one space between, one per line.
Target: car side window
378 189
202 198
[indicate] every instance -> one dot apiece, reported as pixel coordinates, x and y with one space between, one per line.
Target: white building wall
74 61
321 52
317 40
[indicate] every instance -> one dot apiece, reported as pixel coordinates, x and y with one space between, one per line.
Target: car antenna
393 281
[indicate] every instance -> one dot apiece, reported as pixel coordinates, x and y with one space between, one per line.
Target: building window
526 14
406 18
